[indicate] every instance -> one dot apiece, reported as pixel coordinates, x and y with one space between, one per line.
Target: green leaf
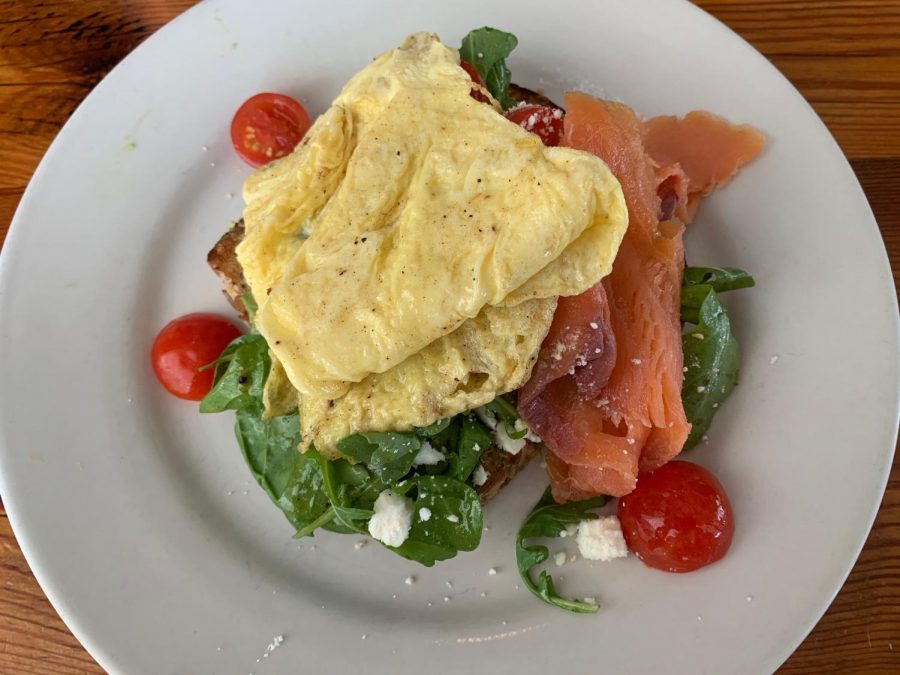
474 439
549 519
455 522
504 411
486 49
711 359
240 375
389 455
250 305
720 278
434 429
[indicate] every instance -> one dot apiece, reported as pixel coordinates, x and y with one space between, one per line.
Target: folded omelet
407 256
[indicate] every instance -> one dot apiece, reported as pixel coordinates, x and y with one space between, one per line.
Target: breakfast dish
123 497
445 273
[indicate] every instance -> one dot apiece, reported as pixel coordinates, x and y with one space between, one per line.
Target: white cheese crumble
480 476
424 514
514 445
452 518
485 419
409 581
392 518
428 455
773 360
601 539
594 325
560 558
591 600
511 445
492 571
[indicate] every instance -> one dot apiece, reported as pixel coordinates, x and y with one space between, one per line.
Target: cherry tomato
544 121
678 518
268 126
186 344
476 78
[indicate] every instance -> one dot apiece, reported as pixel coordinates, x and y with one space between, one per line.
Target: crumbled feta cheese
595 325
591 600
701 389
358 545
480 476
392 518
409 581
560 558
485 419
511 445
557 352
636 362
428 455
601 539
773 360
492 571
424 514
453 518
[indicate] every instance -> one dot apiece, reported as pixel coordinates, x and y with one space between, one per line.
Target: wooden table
844 56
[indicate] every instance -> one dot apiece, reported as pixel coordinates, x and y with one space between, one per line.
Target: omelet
407 256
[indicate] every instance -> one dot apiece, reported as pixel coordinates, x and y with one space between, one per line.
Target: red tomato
476 78
678 518
266 127
186 344
539 119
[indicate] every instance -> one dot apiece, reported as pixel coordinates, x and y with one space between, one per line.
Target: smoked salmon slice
709 149
637 421
607 401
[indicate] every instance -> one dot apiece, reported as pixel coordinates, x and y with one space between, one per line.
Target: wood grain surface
844 56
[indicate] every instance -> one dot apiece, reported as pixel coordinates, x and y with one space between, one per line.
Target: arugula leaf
314 492
240 375
711 357
474 439
503 410
549 519
434 429
389 455
455 522
720 278
486 50
250 306
698 281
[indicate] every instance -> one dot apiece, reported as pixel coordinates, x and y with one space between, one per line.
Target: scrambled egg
407 257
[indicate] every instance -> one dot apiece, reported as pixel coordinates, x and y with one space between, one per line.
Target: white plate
138 515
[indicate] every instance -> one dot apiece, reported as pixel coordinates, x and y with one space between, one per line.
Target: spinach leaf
240 375
389 455
486 50
711 358
474 439
454 523
549 519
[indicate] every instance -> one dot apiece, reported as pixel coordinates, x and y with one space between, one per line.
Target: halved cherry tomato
268 126
476 78
542 120
678 518
186 344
